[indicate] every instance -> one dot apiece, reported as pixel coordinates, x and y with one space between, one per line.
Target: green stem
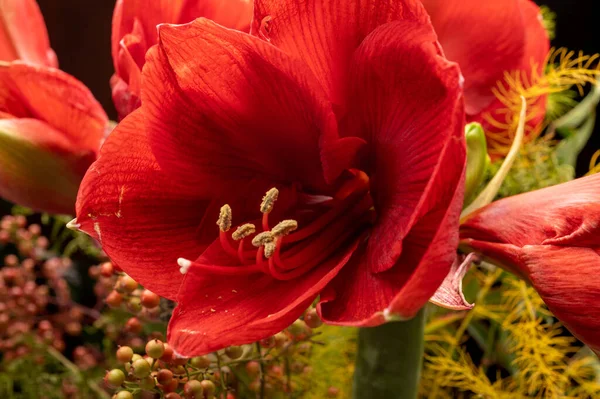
389 358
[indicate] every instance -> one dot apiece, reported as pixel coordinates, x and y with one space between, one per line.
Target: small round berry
124 354
155 349
127 284
298 328
140 368
200 362
333 392
133 325
115 378
114 299
234 352
268 342
312 319
149 299
193 389
168 354
253 368
170 387
124 395
208 387
172 395
106 269
134 304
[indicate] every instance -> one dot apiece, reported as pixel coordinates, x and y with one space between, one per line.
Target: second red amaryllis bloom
330 148
489 39
134 32
550 237
51 127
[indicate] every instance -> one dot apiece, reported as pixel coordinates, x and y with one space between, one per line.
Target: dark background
80 35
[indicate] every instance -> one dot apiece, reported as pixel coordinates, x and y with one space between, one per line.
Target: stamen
184 265
269 200
262 239
270 248
225 216
243 231
284 228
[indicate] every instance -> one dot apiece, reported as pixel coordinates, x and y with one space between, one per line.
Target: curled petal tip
450 294
73 225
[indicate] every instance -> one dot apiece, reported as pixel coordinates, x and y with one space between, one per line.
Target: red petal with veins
550 237
387 109
325 33
485 38
134 29
216 128
23 34
54 97
218 311
142 218
536 46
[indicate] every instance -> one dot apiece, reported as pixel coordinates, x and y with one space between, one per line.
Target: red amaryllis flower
348 118
551 237
134 32
51 127
488 39
23 33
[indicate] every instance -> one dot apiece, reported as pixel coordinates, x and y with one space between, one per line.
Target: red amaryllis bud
23 34
51 128
551 237
134 32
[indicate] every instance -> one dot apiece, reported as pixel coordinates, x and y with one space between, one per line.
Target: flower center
288 250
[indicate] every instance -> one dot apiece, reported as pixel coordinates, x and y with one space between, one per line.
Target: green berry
141 368
115 378
124 395
234 352
193 389
155 349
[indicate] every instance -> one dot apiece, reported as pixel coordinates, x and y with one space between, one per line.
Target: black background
80 35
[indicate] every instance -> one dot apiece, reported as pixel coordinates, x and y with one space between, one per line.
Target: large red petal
224 107
58 99
565 214
218 311
485 38
567 281
325 33
23 34
405 102
361 297
142 218
234 14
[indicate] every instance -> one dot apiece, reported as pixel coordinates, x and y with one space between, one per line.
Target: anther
269 200
270 249
243 231
284 228
224 221
262 239
184 265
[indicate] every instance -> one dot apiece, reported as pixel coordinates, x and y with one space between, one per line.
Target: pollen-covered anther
284 228
269 200
243 231
263 238
270 249
225 216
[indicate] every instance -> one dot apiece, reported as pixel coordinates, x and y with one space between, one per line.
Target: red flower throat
284 252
